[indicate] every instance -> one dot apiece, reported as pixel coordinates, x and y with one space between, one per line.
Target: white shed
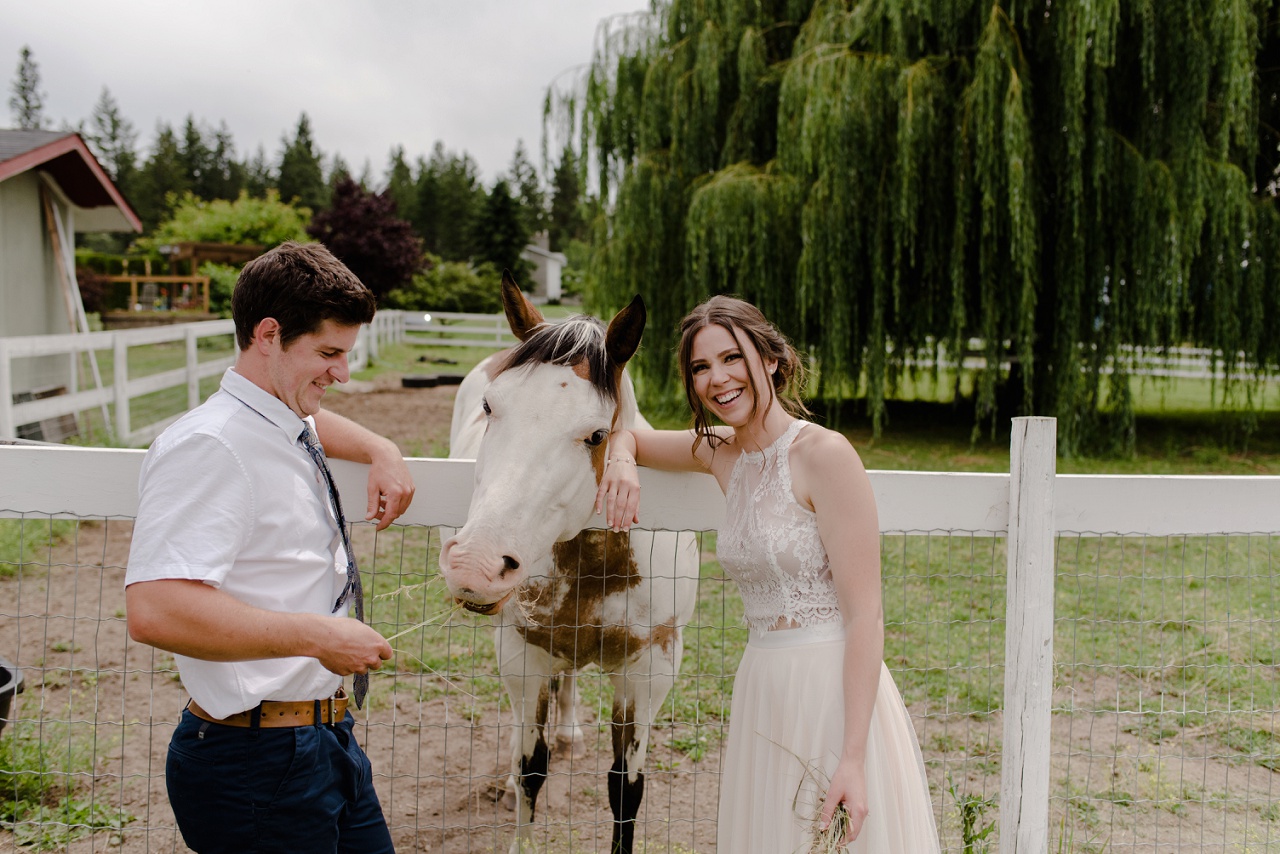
547 266
51 188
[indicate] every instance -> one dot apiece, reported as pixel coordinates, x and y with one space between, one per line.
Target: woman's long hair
735 315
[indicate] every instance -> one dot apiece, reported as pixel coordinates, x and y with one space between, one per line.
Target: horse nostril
509 564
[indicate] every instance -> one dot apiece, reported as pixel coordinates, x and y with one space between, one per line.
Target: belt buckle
333 711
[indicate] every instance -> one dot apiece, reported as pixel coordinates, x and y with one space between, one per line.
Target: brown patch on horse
497 364
544 705
590 568
664 635
623 730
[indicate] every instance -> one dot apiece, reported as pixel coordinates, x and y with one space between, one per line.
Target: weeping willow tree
1063 181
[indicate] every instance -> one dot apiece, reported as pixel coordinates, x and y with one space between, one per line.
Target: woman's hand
619 492
848 787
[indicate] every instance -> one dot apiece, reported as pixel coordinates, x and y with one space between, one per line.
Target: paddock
1090 661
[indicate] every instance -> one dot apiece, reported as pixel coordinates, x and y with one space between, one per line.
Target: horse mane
575 341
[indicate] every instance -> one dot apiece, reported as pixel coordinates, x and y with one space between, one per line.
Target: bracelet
622 460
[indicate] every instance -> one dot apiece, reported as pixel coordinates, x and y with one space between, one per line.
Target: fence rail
115 397
1129 620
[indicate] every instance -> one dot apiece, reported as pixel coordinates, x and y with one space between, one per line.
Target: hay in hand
830 840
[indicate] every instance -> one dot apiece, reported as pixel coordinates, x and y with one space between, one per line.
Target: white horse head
548 407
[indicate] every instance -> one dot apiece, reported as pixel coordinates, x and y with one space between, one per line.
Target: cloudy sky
370 74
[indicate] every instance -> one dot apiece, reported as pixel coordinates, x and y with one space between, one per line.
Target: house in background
51 189
547 266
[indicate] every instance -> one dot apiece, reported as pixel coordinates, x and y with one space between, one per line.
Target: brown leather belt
276 713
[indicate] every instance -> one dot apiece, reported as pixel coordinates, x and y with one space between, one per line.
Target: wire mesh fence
1165 682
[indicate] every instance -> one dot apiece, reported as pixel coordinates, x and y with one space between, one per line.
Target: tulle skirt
786 728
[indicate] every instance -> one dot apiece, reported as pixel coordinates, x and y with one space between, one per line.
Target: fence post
120 384
193 368
8 430
375 334
1028 646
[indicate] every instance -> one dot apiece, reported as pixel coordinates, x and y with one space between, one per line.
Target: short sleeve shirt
229 497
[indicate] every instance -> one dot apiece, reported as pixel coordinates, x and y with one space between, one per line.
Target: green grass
27 542
39 802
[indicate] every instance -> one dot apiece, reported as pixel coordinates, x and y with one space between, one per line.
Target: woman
816 720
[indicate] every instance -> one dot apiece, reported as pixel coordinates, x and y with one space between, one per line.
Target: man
239 566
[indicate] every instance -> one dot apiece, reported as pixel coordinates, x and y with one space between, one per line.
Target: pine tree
449 202
26 104
301 177
114 141
565 221
527 188
258 174
501 232
162 180
1063 182
401 186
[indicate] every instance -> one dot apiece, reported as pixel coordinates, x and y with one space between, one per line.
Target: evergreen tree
566 221
401 186
301 177
449 201
196 158
113 140
227 175
338 171
502 233
258 175
162 180
1062 181
26 104
527 188
362 230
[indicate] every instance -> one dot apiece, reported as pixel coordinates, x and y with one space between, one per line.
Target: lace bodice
770 544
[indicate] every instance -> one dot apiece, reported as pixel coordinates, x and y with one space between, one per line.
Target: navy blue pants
259 791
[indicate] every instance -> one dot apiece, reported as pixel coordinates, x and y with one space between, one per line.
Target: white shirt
228 496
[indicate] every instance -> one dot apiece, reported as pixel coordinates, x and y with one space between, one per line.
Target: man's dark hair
301 285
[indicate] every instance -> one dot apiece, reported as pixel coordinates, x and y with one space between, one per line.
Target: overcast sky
370 74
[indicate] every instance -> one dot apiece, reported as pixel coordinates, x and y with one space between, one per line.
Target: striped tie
353 588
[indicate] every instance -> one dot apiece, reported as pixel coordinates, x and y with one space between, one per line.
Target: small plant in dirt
38 803
974 830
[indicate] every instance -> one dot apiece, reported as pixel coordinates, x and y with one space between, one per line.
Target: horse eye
487 410
597 437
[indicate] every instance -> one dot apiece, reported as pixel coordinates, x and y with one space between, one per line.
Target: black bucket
10 684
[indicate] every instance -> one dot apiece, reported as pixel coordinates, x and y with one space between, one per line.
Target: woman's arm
669 450
835 482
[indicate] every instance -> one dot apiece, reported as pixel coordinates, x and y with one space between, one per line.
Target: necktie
353 588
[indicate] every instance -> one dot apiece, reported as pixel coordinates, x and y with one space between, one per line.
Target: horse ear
623 337
522 315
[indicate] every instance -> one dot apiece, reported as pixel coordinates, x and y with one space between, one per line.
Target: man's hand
390 487
352 647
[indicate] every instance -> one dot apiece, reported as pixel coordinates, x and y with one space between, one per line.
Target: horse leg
569 740
638 695
526 675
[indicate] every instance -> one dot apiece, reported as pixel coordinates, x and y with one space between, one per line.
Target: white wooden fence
462 329
459 329
1029 507
113 396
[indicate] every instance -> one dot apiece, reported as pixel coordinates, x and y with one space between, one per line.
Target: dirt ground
438 759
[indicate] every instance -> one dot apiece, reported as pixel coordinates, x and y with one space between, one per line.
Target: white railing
1029 508
114 397
460 329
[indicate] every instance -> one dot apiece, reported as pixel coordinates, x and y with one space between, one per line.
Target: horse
537 420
